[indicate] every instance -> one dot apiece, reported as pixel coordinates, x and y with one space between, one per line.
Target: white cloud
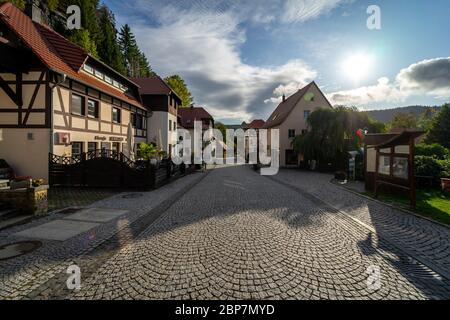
302 10
428 77
203 47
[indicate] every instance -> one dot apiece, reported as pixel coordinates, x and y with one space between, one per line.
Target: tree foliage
404 121
434 150
83 39
332 133
180 88
135 61
440 128
108 47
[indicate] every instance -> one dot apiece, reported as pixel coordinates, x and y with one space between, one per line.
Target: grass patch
433 204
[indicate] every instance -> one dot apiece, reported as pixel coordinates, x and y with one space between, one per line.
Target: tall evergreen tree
135 61
108 47
145 68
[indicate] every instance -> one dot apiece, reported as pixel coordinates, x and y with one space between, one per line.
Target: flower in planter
38 182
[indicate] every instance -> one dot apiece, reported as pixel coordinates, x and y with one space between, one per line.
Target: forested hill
387 115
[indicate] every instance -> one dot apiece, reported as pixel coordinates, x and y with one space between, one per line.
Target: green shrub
434 150
428 166
445 173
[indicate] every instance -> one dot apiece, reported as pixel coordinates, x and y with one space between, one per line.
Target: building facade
57 99
290 119
164 103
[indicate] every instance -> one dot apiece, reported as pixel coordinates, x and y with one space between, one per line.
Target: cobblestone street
237 235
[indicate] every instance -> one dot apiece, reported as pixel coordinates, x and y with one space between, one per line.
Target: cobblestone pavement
427 241
238 235
42 273
76 197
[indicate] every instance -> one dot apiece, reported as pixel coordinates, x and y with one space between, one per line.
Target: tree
145 68
222 128
134 60
333 132
425 121
440 128
108 48
180 88
404 121
18 3
83 39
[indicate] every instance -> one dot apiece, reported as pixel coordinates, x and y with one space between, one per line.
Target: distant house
255 124
163 102
290 118
188 116
56 98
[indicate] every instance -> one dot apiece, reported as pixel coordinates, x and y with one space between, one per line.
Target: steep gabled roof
153 86
191 114
56 52
256 124
283 110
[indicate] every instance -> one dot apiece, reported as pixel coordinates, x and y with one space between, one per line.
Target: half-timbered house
56 98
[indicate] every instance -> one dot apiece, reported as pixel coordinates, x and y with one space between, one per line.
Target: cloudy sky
239 57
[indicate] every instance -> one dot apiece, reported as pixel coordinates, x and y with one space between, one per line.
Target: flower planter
445 183
20 184
32 200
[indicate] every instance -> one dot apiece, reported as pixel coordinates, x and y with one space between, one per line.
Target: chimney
33 10
284 98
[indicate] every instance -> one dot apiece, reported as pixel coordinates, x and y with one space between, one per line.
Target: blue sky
239 57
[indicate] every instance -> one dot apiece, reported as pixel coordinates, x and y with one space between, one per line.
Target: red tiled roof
256 124
55 52
152 85
189 115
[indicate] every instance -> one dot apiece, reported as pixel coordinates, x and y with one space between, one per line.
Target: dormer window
88 69
108 80
98 74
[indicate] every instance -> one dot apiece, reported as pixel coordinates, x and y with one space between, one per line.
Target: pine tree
135 61
108 48
145 68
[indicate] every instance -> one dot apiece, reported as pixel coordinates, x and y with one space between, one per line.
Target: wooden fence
110 169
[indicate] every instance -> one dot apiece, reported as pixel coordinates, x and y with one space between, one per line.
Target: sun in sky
358 66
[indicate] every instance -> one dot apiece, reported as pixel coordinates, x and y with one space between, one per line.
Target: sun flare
358 66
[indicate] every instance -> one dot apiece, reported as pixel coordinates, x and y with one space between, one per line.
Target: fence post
122 170
152 174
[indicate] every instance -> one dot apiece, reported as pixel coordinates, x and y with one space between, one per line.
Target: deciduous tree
179 86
